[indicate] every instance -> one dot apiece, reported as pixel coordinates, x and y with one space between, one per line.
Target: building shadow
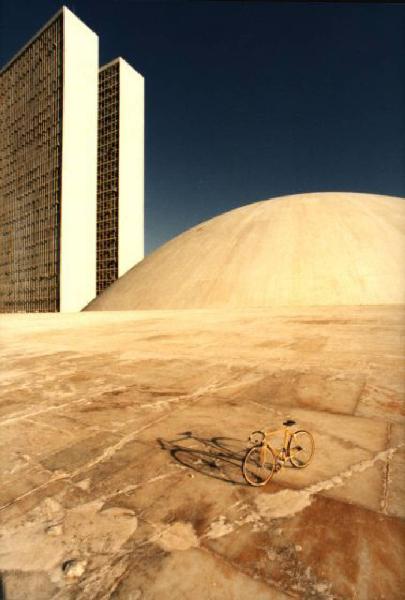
219 457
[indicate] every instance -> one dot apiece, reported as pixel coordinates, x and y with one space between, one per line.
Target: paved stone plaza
122 436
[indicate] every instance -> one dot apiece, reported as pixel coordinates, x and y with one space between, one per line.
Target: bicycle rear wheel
258 466
301 448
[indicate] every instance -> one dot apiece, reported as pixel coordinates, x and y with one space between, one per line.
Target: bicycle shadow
219 457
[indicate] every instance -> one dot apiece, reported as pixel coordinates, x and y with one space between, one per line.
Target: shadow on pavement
218 457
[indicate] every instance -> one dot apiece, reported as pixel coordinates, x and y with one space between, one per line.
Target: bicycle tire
254 472
301 448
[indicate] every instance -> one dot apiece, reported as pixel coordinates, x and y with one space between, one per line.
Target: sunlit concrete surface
303 250
131 211
122 436
79 164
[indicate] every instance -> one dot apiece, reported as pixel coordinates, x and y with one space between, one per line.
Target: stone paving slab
123 435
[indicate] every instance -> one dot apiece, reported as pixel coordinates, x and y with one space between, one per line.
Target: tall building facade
48 176
50 225
31 88
120 172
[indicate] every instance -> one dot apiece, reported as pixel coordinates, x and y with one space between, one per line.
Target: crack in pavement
21 416
109 452
106 454
287 502
135 486
386 480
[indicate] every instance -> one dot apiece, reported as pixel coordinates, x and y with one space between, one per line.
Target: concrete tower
120 179
48 178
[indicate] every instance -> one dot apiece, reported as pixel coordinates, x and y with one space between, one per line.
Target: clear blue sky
246 101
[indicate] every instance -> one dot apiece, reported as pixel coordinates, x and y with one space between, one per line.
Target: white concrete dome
304 250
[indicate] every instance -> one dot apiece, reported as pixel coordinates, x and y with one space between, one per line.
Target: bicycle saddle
289 423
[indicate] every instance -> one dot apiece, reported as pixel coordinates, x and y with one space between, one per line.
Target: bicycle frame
281 454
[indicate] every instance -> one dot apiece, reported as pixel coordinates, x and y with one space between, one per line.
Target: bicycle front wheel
258 466
301 448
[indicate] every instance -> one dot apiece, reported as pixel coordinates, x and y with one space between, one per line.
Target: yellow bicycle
262 461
